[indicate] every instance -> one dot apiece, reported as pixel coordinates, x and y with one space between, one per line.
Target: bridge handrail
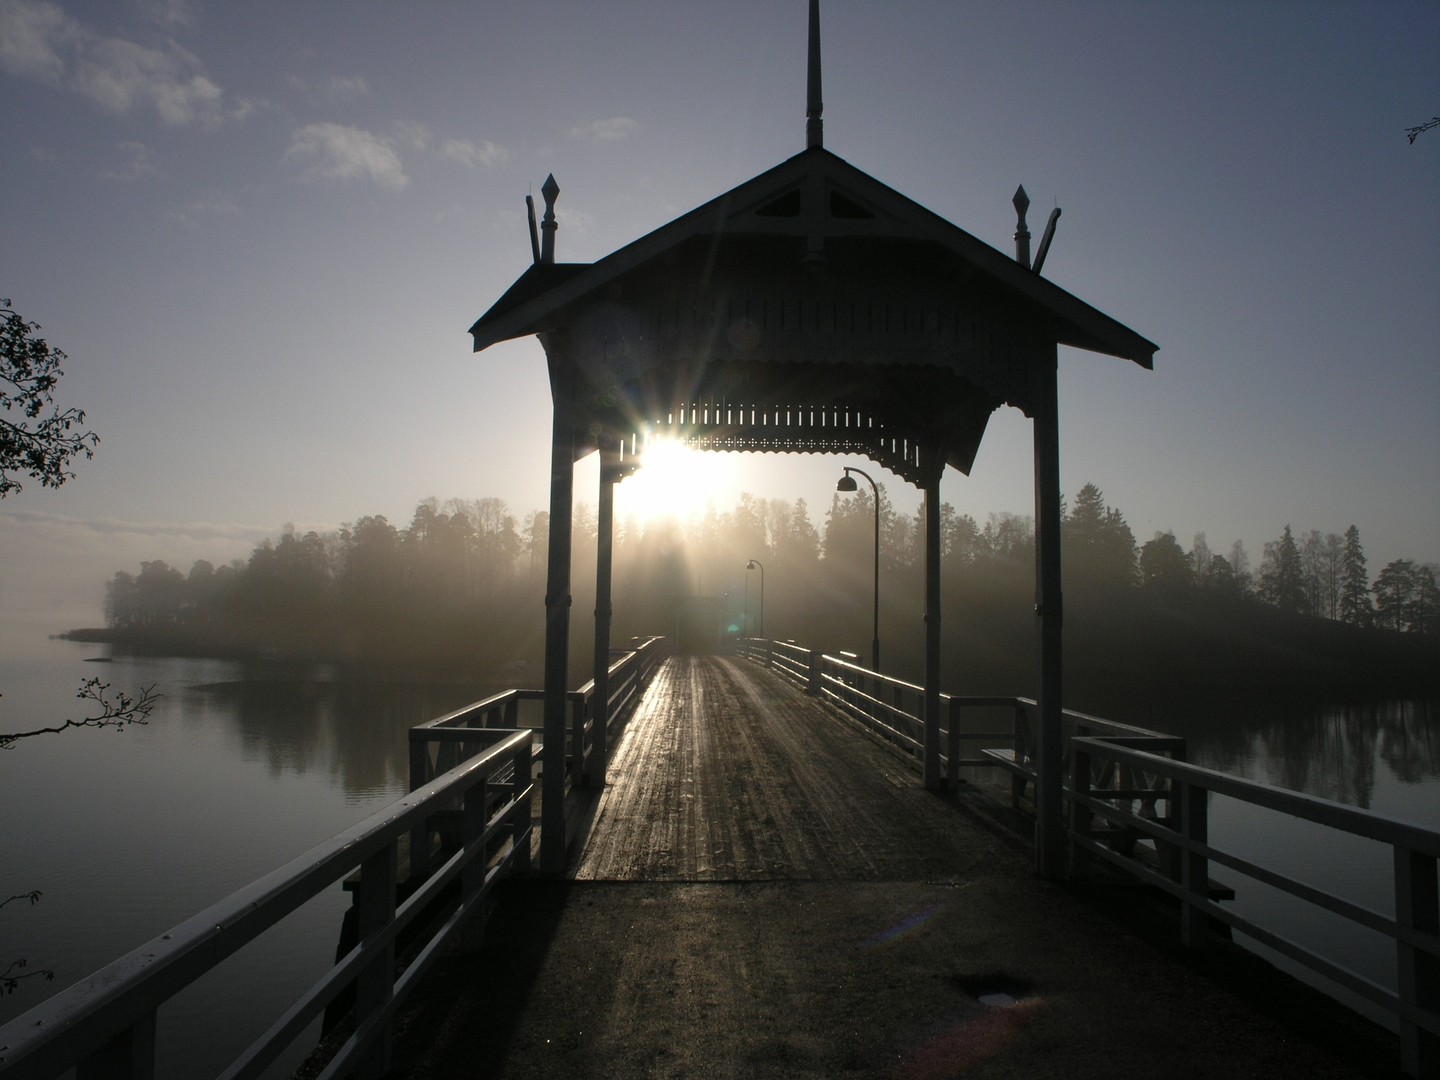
106 1023
1414 930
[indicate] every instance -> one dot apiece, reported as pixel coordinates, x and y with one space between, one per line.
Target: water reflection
351 728
1342 752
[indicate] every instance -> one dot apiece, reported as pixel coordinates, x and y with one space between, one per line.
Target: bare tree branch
10 980
1413 133
117 711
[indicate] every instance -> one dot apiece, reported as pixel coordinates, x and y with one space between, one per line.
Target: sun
672 480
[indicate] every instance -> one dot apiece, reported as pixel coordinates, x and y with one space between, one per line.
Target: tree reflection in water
350 727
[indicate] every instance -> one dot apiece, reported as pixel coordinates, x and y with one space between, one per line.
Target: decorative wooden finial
1045 240
548 191
534 231
814 126
1022 231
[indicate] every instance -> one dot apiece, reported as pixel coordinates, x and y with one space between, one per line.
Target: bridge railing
1135 803
446 741
1413 930
105 1025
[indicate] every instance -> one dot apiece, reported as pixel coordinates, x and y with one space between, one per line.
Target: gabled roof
774 203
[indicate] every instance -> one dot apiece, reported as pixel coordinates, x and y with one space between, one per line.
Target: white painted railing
1414 929
105 1025
1150 806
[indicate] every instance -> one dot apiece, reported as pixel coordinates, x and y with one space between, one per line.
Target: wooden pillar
604 557
1049 794
933 774
557 624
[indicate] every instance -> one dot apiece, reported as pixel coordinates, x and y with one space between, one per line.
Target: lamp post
751 565
847 483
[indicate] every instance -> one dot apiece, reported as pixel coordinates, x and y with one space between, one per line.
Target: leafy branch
117 710
37 437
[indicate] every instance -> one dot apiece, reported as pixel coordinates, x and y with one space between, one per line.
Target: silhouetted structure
810 309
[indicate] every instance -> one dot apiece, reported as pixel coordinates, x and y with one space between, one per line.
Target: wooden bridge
784 867
764 886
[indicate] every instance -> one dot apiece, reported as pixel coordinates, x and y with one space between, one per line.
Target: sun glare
673 480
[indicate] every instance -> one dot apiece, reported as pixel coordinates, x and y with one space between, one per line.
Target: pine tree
1099 546
1425 605
1355 606
1282 578
1395 594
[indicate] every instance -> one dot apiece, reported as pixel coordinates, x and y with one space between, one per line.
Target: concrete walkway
766 893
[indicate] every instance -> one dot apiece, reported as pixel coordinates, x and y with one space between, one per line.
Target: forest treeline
463 585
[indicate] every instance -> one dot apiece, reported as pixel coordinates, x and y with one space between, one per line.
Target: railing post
420 834
130 1055
472 878
1194 866
578 709
1020 747
1417 909
813 685
520 830
374 986
952 744
1080 816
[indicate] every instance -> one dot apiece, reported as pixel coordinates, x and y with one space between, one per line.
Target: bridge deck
727 773
764 892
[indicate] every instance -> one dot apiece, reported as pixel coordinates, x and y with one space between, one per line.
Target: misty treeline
463 584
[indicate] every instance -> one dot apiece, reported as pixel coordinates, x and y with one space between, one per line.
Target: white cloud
616 127
574 220
345 88
244 108
413 134
32 38
465 152
210 205
165 12
39 41
119 75
135 161
340 152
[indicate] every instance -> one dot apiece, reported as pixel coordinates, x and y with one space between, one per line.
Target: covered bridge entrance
810 309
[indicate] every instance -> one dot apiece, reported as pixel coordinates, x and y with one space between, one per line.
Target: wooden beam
1049 808
933 774
557 621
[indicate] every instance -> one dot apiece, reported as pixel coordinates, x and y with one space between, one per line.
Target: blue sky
261 231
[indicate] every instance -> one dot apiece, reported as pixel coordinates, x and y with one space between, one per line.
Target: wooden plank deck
767 893
728 773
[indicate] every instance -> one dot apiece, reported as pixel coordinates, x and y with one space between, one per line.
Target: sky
261 232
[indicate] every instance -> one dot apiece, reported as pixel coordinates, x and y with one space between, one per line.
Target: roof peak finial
814 126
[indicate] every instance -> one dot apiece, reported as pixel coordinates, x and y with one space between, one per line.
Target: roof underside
809 309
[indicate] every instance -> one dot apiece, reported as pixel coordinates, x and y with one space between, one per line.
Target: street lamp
752 565
847 483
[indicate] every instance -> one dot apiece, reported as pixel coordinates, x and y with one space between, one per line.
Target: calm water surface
244 767
240 769
1383 757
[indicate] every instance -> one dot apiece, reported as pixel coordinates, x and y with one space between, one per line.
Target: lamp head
847 483
750 565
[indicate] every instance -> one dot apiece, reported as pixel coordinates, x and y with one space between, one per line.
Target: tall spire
814 126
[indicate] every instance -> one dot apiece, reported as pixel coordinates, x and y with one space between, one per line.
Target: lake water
1383 757
126 834
242 767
